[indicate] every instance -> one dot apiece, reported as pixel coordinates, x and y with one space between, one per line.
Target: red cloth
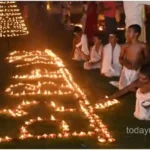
91 21
112 5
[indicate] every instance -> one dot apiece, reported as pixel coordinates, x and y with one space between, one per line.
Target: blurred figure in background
135 14
65 6
25 12
91 21
84 15
109 8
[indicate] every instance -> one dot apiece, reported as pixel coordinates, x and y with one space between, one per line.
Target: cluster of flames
107 104
35 89
18 111
61 108
25 133
97 128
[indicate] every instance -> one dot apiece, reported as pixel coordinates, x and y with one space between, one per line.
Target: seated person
80 49
110 63
95 54
142 88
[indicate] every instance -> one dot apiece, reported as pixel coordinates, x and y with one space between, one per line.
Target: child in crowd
95 54
110 63
80 45
142 85
132 56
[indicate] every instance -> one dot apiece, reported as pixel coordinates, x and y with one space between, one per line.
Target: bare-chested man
142 88
133 55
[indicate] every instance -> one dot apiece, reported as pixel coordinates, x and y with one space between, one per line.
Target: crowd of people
130 61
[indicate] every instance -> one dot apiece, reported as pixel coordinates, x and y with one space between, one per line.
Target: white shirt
95 55
84 44
133 12
110 57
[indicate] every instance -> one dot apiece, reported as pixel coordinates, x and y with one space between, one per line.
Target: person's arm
127 89
122 54
85 56
95 62
145 88
146 54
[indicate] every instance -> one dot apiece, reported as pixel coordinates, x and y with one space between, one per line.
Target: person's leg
117 69
77 55
122 80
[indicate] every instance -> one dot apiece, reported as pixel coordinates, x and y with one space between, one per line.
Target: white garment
94 57
127 77
142 99
133 12
78 55
84 48
83 18
134 15
84 44
110 64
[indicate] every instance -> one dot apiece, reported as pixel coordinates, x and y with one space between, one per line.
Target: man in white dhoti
110 63
81 51
142 88
133 55
95 54
135 14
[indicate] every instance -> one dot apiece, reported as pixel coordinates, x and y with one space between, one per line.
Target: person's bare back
133 55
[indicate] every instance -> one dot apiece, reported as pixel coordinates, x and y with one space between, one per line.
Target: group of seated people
129 62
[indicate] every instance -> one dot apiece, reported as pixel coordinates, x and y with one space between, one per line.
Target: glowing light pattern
18 111
97 128
106 104
11 21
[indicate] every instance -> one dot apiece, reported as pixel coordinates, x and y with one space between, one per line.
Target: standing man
91 21
109 8
135 14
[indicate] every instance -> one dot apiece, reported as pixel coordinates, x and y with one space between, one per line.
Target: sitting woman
80 45
142 87
95 54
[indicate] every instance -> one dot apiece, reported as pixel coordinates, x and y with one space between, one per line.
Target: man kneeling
110 64
142 88
95 54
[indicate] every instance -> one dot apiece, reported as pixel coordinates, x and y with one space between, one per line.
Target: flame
52 118
53 104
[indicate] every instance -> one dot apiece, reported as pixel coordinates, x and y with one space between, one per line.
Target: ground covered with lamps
51 103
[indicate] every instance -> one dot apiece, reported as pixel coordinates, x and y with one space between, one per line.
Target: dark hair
98 35
77 29
136 28
145 69
114 33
